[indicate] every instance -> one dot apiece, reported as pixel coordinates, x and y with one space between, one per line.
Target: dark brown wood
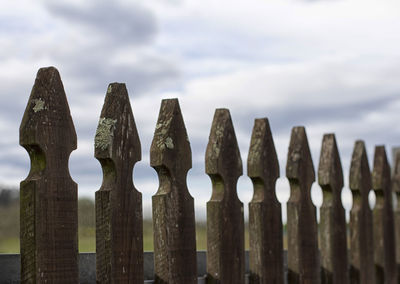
333 241
49 216
265 217
225 220
173 206
383 220
302 231
361 239
119 222
396 190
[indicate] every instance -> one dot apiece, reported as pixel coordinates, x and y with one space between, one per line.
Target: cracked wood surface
383 220
333 242
265 217
173 206
225 220
119 222
48 196
302 230
361 237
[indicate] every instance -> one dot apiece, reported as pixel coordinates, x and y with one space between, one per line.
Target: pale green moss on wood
104 133
39 105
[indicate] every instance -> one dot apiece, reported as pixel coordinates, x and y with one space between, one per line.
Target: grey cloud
132 24
96 71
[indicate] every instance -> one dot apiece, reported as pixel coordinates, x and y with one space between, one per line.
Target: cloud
117 22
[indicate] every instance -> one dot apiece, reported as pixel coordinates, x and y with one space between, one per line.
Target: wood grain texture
119 222
383 220
302 230
361 238
265 217
173 206
225 221
48 201
396 189
333 241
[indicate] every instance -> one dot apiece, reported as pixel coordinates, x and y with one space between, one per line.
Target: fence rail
49 230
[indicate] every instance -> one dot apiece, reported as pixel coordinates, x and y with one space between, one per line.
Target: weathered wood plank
265 217
49 216
173 206
119 222
361 238
383 220
333 241
225 220
302 231
396 190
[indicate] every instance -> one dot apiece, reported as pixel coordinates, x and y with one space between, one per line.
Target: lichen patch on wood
104 133
39 105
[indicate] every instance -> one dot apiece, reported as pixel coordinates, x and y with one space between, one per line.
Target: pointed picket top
225 220
330 172
171 146
116 135
332 226
222 154
173 206
383 220
360 177
265 217
47 117
361 234
48 196
119 222
299 163
381 171
262 161
396 175
302 230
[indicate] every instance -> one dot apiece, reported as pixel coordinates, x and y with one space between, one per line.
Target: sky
332 66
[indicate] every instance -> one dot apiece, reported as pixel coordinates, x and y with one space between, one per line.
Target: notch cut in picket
225 220
173 206
265 218
361 237
48 196
302 231
333 241
383 220
119 221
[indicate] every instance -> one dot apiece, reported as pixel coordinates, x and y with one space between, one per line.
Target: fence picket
302 231
173 206
225 220
333 242
119 222
361 238
48 196
383 220
265 218
396 190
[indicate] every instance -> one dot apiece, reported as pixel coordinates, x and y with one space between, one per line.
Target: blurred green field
9 229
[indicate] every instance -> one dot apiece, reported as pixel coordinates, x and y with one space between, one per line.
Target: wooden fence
49 230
